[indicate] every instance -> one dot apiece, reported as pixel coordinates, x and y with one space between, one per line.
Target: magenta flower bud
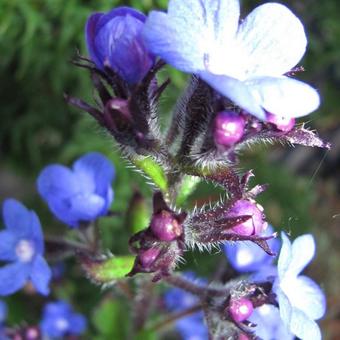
165 226
147 257
254 225
282 123
228 128
114 39
240 309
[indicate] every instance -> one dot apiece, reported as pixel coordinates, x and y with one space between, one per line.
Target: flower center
25 250
62 324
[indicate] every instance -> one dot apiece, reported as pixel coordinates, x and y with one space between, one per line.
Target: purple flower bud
241 309
147 257
228 128
282 123
114 39
254 225
165 226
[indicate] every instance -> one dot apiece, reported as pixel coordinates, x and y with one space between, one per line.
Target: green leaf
138 216
109 320
153 170
106 271
188 185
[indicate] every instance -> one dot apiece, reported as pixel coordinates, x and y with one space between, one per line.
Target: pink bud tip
241 309
165 226
254 225
228 128
284 124
147 257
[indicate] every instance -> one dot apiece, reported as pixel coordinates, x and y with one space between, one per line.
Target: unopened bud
165 226
228 128
282 123
255 224
147 257
240 309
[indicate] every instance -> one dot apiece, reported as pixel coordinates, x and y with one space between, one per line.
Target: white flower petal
236 91
284 96
285 256
304 327
273 39
307 296
303 250
285 307
193 32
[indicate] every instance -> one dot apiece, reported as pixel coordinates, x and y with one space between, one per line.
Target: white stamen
25 250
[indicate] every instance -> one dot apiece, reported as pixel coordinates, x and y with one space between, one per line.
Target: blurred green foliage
38 39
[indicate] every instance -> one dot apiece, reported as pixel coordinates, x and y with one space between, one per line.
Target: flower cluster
241 90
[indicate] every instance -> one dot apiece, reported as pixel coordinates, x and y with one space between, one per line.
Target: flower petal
273 39
285 256
77 324
308 297
41 275
236 91
285 306
303 250
304 327
190 31
90 34
56 182
94 169
7 245
284 96
86 207
13 277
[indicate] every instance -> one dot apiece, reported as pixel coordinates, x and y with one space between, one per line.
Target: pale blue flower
269 325
245 62
300 299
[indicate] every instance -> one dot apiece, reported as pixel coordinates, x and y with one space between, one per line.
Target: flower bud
228 128
282 123
114 39
240 309
165 226
147 257
254 225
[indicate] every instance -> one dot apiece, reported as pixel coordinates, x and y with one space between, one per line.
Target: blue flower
269 325
3 316
60 320
249 257
245 62
22 244
81 194
191 327
114 39
300 299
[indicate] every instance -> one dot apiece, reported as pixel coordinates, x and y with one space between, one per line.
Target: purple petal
56 182
90 34
97 169
19 220
78 324
7 245
273 39
86 207
41 275
13 277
